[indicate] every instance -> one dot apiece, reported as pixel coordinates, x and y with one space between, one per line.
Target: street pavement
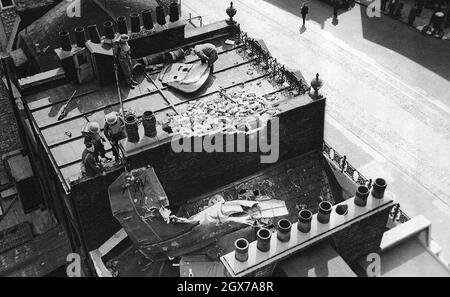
387 89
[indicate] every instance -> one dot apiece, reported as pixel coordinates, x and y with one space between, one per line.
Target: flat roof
64 140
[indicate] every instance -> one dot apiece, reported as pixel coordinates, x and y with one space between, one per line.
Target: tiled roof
45 30
22 5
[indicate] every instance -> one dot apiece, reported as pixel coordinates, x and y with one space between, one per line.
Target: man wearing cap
207 52
92 135
90 166
122 52
114 131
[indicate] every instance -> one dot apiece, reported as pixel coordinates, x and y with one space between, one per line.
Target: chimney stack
64 39
80 37
122 25
93 33
147 19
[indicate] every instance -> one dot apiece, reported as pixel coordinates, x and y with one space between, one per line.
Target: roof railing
351 172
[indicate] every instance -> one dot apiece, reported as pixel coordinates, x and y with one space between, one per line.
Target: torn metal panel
140 204
185 77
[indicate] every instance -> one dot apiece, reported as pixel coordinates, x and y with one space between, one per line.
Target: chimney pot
109 29
93 33
64 39
160 15
80 37
173 12
122 25
135 23
147 19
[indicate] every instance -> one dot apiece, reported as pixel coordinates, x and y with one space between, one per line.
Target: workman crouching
114 131
207 53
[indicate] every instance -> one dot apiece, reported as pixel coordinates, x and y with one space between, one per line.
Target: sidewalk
419 22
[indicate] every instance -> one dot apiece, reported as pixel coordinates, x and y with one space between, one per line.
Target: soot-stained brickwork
9 135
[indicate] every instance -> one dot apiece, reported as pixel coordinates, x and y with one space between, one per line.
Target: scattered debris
239 111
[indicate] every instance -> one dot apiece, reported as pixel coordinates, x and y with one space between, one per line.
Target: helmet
124 38
111 118
93 127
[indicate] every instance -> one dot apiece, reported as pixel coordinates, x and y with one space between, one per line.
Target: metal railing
278 72
341 162
199 17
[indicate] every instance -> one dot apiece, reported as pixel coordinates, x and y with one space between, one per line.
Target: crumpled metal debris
240 211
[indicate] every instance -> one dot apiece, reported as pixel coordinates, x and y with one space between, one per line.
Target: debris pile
238 111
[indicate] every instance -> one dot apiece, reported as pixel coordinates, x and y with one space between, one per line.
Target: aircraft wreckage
139 202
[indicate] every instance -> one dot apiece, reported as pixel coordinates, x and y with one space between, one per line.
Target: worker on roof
207 53
89 164
92 135
122 52
114 131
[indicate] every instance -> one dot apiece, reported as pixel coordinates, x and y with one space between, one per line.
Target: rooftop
92 102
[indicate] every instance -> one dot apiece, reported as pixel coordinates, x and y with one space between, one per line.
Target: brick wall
361 238
9 136
187 175
8 17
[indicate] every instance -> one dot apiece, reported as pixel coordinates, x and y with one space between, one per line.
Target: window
6 3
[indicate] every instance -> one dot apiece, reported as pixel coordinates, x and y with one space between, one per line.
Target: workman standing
114 131
207 52
92 135
89 165
122 52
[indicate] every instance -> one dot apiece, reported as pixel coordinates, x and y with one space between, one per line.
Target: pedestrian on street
412 14
420 5
392 5
383 5
335 9
114 132
304 11
89 165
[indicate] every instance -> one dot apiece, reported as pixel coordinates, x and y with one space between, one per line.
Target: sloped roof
118 8
22 5
45 30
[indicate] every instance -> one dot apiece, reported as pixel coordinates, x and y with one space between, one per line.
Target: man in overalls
122 52
114 131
